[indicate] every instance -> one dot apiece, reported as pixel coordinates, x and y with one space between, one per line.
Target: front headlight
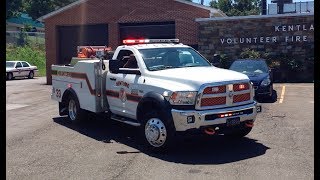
266 82
183 98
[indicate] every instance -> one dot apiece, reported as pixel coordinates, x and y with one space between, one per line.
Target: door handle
112 79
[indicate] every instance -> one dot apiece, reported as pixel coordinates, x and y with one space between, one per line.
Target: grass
35 55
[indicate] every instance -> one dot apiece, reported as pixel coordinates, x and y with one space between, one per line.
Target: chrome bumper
180 117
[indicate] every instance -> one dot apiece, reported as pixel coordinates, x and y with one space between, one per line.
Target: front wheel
158 131
75 113
31 75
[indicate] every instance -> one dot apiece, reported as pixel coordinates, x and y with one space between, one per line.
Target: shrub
225 61
248 53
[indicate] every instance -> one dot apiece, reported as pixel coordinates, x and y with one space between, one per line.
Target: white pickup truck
168 88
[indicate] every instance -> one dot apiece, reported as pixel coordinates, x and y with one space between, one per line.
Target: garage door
69 37
154 30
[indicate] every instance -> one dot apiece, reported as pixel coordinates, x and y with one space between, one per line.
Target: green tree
13 8
38 8
35 8
237 7
223 5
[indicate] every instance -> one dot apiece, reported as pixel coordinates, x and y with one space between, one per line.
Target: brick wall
123 11
277 35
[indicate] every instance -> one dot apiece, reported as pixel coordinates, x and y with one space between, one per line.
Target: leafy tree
38 8
223 5
23 37
237 7
13 8
35 8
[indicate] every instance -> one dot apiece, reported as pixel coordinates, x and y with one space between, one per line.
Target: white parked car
20 69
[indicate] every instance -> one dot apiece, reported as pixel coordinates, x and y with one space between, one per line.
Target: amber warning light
146 41
241 86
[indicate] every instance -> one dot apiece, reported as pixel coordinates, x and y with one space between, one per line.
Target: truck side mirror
114 66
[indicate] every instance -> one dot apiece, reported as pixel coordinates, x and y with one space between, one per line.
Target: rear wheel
158 131
9 76
31 75
75 113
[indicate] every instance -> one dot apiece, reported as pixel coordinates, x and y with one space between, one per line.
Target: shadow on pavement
273 98
195 149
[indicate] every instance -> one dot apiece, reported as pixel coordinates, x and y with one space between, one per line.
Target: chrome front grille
241 97
213 101
227 94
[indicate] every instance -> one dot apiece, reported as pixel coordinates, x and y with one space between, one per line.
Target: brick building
108 22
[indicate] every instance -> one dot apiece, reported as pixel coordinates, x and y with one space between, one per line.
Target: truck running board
124 120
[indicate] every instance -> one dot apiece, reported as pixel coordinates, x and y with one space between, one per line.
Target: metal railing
297 7
22 38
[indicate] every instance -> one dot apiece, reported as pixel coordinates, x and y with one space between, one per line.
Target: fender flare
62 104
157 100
67 92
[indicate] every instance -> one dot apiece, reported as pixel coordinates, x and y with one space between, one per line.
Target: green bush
225 61
248 53
35 56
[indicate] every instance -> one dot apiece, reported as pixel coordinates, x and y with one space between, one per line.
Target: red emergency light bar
146 41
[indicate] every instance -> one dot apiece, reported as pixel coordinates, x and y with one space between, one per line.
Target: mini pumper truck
172 88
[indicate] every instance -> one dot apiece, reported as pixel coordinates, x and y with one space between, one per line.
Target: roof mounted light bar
147 41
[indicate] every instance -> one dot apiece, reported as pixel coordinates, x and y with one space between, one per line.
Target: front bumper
263 90
36 73
180 117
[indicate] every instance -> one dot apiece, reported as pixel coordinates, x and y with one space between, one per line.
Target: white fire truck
169 88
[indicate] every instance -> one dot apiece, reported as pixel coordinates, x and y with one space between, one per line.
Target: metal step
124 120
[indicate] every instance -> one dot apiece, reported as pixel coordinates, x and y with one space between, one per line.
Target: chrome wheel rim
31 74
72 109
9 76
155 132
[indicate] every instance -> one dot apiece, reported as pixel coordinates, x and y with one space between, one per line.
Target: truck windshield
165 58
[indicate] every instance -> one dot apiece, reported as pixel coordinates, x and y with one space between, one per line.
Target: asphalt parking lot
42 145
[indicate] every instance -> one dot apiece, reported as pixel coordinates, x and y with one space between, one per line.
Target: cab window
127 59
18 65
24 64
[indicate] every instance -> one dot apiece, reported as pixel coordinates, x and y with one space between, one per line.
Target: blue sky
268 1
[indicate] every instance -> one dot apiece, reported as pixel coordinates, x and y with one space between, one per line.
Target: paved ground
42 145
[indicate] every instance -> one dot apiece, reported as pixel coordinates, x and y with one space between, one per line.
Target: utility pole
264 7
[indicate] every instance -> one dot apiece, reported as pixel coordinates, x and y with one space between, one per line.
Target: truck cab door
122 92
25 68
19 69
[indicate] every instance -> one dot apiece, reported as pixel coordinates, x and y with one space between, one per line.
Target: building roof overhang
213 11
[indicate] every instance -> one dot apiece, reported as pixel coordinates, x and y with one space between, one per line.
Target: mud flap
259 108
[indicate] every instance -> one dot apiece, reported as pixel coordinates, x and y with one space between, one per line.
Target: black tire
31 75
239 133
75 113
165 124
9 76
